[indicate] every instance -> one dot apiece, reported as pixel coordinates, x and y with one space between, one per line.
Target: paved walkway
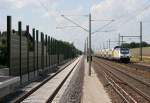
93 90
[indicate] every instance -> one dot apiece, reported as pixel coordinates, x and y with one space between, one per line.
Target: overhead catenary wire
74 23
62 27
139 12
76 15
43 6
46 9
132 18
102 27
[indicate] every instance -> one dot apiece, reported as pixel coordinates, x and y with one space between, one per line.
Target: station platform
93 90
47 90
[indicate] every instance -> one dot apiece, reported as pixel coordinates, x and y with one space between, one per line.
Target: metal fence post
55 50
58 52
33 33
20 52
41 50
37 41
27 31
49 49
52 52
46 48
8 43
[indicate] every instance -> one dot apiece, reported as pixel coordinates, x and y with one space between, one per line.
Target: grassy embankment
146 54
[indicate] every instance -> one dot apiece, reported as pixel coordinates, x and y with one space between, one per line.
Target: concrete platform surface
4 78
60 95
93 90
8 85
43 93
7 81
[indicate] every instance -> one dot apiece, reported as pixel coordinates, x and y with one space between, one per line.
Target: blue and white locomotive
117 53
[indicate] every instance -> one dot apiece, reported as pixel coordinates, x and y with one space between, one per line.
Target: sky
113 16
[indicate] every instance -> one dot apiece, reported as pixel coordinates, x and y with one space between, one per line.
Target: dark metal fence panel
61 58
31 61
44 55
36 56
24 54
45 50
42 51
49 51
40 55
14 55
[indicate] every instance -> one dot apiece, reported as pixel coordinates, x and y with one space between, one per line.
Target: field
146 54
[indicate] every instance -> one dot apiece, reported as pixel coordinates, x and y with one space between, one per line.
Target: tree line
135 45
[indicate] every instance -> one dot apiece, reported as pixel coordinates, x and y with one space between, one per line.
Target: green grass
146 54
144 59
135 51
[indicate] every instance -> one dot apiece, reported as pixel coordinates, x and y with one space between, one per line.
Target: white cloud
72 14
18 4
127 14
117 8
123 11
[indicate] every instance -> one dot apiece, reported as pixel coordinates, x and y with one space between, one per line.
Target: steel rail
27 94
133 88
143 82
115 86
119 93
50 99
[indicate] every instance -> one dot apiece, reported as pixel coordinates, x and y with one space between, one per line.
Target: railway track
141 73
132 65
46 91
138 66
123 69
130 89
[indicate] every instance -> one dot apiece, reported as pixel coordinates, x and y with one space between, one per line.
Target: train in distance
117 53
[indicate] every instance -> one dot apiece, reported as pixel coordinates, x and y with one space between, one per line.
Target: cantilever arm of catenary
75 23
